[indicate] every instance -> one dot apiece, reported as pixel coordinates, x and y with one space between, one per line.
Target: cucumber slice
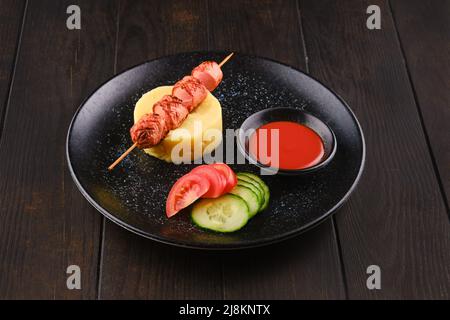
254 189
249 197
227 213
242 178
262 184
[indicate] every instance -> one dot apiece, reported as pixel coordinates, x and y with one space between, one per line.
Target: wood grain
137 268
396 219
306 267
11 15
151 29
424 32
46 225
133 267
267 28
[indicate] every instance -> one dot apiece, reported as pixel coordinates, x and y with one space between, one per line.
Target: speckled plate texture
133 195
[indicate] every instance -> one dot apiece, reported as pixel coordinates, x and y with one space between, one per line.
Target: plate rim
212 247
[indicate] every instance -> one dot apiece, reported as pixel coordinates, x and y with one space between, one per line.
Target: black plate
133 195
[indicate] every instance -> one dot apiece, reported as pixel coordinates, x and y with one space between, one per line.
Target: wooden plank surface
396 219
46 225
11 14
134 267
424 31
307 266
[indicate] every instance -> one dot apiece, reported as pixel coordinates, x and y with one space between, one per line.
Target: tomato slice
185 191
217 182
228 175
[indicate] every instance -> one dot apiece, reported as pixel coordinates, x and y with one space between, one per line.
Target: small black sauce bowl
263 117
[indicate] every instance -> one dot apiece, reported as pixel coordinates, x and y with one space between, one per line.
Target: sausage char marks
172 110
191 91
149 130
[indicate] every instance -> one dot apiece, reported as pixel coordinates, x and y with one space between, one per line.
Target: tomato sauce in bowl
286 145
286 141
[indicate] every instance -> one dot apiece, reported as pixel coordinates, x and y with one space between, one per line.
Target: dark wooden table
395 79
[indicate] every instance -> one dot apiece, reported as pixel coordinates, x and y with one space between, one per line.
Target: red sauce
299 147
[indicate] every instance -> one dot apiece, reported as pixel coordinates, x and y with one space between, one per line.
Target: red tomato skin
228 174
216 181
195 185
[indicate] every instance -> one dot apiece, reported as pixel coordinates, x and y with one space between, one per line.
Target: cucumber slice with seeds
227 213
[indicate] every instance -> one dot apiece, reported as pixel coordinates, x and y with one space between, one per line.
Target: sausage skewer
136 143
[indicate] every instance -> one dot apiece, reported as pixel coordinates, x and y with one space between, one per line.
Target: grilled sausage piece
172 110
191 91
149 131
209 74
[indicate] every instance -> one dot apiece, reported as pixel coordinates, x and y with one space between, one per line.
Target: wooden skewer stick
226 59
115 163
